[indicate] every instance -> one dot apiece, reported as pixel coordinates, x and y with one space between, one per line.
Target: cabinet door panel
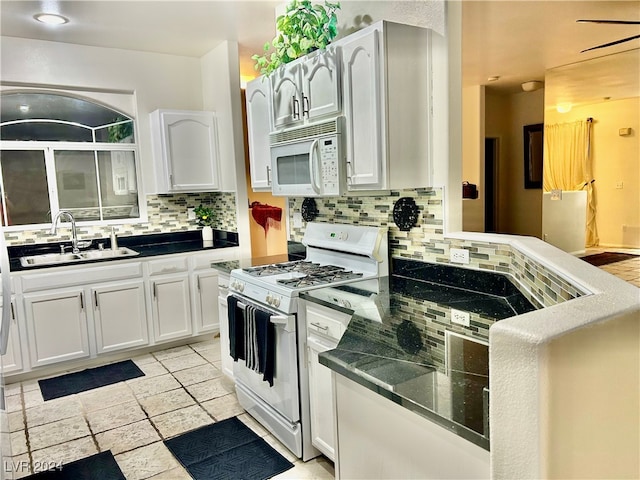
286 98
321 401
171 311
12 359
258 128
191 145
57 327
120 316
321 85
207 302
362 106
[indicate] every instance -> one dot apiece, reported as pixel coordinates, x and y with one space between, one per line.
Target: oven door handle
287 321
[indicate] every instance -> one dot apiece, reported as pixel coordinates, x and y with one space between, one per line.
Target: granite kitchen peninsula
396 342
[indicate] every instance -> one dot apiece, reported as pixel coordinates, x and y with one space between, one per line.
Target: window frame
49 148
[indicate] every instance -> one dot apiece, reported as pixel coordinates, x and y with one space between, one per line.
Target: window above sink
60 151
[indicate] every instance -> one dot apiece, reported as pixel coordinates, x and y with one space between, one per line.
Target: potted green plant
205 218
302 29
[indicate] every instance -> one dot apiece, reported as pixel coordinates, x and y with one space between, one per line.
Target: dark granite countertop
395 342
146 245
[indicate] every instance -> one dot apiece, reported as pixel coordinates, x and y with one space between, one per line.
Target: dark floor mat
606 258
88 379
227 450
101 466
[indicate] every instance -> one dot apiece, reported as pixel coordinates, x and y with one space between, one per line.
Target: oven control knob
241 287
269 299
276 302
234 285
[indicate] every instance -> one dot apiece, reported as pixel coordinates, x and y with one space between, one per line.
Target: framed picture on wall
533 155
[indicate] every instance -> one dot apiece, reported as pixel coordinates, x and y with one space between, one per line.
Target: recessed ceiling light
493 78
51 18
24 108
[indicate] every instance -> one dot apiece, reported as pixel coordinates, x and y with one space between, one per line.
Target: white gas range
336 255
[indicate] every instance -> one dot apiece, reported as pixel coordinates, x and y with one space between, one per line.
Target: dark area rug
606 258
101 466
227 450
88 379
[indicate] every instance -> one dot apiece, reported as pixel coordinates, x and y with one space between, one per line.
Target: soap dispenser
114 239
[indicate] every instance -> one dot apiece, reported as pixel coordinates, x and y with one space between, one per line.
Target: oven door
283 396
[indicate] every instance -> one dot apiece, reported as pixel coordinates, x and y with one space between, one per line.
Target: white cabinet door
170 307
186 144
12 359
120 316
362 108
286 98
223 290
56 326
321 84
206 302
323 415
258 129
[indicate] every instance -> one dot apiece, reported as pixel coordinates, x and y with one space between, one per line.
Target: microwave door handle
312 165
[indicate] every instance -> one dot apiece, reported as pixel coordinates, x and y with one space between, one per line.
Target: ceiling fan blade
628 39
616 22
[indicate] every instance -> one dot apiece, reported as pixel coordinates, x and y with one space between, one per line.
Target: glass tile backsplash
426 241
166 213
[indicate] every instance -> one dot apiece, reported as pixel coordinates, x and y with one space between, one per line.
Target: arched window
61 152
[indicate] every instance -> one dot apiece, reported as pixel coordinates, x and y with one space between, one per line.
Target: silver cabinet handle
268 175
320 326
155 294
95 297
296 108
81 300
349 169
198 283
305 101
13 312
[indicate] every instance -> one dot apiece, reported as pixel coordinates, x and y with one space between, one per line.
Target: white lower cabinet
57 326
120 316
325 327
12 359
205 294
223 309
170 307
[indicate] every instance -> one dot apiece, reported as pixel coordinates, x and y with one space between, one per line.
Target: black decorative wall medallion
405 213
309 210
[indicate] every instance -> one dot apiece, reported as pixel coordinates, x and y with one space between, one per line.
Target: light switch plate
297 220
191 214
459 317
459 255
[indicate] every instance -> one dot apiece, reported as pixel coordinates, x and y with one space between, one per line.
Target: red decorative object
266 216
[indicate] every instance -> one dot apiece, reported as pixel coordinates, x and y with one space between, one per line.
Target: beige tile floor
183 389
628 270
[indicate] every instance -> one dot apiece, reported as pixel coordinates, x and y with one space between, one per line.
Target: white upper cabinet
258 104
306 89
185 147
386 90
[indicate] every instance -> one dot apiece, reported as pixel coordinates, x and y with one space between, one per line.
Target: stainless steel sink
57 258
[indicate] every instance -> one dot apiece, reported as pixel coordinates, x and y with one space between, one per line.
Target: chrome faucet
74 236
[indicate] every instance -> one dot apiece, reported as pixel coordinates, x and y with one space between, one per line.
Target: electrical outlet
459 255
460 317
191 214
620 185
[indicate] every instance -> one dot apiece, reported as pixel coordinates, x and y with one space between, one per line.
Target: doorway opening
491 185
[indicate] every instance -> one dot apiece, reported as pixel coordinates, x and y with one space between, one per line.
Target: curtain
568 166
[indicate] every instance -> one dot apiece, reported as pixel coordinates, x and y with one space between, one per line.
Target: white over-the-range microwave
309 161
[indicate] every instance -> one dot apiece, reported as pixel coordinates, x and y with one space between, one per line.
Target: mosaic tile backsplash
426 242
166 213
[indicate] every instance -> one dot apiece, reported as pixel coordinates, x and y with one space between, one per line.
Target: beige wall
519 209
473 135
594 401
615 160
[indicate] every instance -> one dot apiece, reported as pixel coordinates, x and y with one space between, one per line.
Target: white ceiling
516 40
